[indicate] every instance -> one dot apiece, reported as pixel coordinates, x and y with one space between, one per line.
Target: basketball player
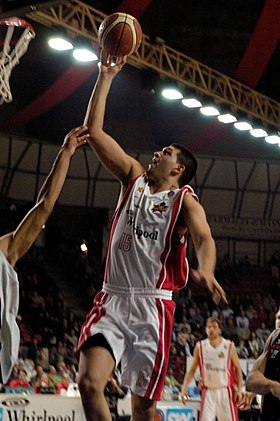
132 317
15 244
264 378
221 376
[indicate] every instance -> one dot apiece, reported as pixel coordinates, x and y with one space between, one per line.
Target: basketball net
9 57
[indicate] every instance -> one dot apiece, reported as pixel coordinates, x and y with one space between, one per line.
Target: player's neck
215 341
156 187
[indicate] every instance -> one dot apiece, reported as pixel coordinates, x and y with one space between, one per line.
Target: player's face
212 330
163 162
277 320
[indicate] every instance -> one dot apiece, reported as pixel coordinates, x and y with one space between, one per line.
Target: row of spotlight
227 118
84 54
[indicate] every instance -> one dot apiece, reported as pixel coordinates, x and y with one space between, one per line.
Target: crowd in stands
50 329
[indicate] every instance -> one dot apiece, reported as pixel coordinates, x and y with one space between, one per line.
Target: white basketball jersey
144 250
9 331
215 364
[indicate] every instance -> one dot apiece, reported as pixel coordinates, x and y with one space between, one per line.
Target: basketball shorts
218 403
137 324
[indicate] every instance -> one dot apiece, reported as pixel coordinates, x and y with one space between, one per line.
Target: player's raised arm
15 244
112 156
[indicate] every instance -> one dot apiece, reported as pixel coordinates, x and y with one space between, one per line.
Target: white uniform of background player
221 376
217 381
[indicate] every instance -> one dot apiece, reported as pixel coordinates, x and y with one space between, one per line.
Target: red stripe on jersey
201 364
165 316
114 222
174 271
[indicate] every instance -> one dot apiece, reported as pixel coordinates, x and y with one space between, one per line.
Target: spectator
242 318
242 350
254 344
63 386
20 381
54 378
43 384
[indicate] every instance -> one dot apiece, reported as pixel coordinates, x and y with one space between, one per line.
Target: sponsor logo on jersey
140 189
140 232
221 355
160 207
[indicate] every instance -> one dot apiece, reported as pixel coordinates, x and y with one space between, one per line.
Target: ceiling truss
83 20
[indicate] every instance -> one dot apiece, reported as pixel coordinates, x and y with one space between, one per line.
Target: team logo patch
221 355
161 207
170 193
142 379
140 189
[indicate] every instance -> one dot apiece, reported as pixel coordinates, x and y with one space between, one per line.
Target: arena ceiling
240 39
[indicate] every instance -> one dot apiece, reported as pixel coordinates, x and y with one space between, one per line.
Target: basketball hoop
13 50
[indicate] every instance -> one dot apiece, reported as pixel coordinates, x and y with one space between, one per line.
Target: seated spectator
242 350
39 371
254 345
242 318
255 322
42 358
243 332
43 385
262 314
229 330
262 330
20 381
54 378
63 386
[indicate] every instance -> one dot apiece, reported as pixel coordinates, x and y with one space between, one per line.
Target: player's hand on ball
111 65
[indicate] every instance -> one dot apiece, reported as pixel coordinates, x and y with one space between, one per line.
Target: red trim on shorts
165 315
232 404
95 314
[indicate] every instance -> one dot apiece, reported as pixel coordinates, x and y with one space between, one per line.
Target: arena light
84 55
273 139
242 126
60 44
227 118
171 93
209 111
191 103
258 133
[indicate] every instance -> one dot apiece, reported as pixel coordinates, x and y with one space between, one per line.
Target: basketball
120 34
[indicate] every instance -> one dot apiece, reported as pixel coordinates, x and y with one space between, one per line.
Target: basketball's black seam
118 44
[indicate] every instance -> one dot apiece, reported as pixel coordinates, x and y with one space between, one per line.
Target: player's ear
179 168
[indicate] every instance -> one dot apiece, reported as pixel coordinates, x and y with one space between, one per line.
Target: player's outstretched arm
109 152
15 244
195 220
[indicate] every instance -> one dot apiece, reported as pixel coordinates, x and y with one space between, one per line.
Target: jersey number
125 242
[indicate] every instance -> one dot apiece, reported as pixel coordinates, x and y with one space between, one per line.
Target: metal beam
83 20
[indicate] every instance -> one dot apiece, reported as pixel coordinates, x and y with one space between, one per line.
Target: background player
221 376
264 378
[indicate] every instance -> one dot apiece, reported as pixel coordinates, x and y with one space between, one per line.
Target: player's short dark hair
214 320
186 158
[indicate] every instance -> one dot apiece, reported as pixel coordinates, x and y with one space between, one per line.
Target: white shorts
137 324
218 403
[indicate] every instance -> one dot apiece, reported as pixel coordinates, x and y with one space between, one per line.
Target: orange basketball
120 34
